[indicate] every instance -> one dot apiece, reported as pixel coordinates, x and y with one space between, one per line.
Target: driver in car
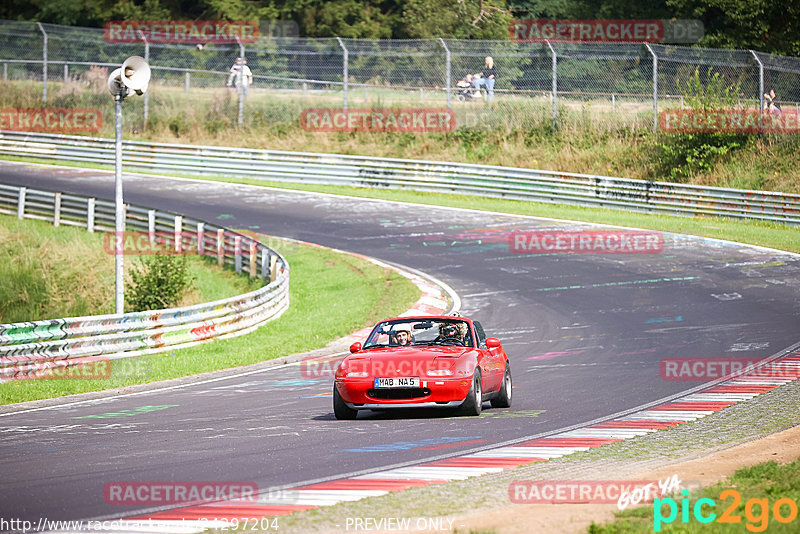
452 331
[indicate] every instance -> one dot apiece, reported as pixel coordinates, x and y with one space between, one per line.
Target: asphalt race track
585 334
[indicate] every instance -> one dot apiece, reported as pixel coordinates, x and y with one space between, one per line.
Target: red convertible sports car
423 362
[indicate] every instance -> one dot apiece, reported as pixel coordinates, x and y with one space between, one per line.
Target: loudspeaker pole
119 227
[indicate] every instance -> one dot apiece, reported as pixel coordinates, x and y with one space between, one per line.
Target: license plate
397 382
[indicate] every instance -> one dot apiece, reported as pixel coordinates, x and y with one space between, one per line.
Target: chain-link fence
536 83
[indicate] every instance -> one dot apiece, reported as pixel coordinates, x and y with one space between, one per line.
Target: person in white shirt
246 77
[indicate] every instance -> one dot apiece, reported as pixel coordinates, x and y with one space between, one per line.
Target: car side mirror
492 342
355 347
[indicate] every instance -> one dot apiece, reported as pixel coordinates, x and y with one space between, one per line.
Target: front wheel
473 403
340 409
503 399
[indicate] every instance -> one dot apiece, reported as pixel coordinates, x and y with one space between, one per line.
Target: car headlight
440 372
357 374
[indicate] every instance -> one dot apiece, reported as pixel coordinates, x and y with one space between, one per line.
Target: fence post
151 225
613 103
240 80
760 87
5 72
220 247
44 61
146 93
447 65
178 233
273 268
237 253
655 87
201 245
66 72
554 94
90 216
21 203
345 63
253 258
186 83
57 209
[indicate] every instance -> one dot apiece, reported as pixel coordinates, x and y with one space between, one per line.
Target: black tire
503 399
474 402
340 409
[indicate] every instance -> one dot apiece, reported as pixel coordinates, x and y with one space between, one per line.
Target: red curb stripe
649 424
694 406
388 484
741 388
211 512
568 442
479 462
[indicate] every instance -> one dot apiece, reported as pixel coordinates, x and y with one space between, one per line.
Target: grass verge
750 500
332 294
48 272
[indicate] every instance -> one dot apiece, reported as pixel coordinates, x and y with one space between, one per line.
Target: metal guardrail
430 176
29 348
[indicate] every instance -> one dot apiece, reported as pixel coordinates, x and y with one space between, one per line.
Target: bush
158 282
685 154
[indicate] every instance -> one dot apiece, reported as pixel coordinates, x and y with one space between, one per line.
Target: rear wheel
474 401
503 399
340 409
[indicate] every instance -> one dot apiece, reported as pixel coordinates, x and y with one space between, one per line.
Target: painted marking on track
551 355
664 319
613 284
507 414
127 413
408 445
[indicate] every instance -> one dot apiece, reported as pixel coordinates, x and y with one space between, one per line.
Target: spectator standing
240 73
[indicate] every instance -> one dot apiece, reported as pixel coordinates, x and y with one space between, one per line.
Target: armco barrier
26 348
461 178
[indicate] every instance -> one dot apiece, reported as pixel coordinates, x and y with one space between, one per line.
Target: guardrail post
554 94
21 203
264 263
345 62
220 247
253 259
90 215
57 209
44 61
178 232
201 238
655 87
447 70
273 268
151 225
237 253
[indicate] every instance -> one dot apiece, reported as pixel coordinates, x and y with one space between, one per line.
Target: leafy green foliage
682 155
158 282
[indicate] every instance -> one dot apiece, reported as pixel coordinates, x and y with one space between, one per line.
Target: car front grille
395 394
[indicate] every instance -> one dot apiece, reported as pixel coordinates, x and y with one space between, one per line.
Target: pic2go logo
756 511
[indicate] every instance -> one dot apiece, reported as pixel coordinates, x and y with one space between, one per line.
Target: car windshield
420 332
